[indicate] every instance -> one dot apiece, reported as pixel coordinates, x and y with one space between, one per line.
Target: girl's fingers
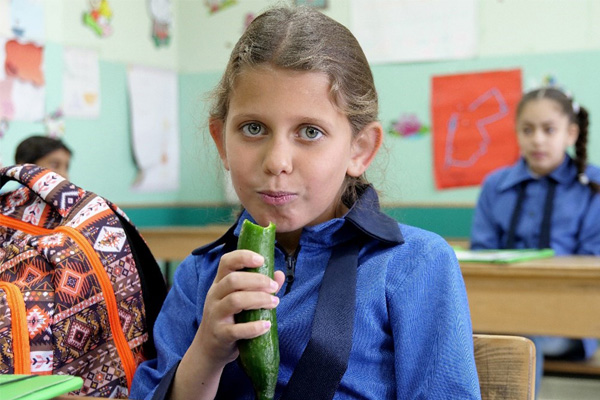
243 300
237 260
279 277
244 281
246 330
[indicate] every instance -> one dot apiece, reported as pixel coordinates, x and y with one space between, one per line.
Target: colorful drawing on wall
54 124
24 61
160 11
218 5
99 17
473 125
81 83
27 20
408 125
312 3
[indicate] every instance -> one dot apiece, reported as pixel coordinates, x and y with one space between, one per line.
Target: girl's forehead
544 104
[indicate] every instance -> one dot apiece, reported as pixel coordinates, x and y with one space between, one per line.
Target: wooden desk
554 296
176 243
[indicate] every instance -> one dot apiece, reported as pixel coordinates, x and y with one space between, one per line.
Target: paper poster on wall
473 125
2 58
5 19
81 83
155 129
409 30
27 20
28 100
7 109
24 61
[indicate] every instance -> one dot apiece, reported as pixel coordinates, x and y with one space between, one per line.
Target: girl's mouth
277 198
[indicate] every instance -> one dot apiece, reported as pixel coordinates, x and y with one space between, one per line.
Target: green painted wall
563 40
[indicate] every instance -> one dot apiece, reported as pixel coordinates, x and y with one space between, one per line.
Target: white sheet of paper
5 20
155 130
415 30
2 55
27 20
29 101
81 83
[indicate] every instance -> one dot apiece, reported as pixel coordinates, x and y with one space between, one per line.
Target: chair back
506 366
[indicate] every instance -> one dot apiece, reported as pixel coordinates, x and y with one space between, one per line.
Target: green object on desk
502 255
37 387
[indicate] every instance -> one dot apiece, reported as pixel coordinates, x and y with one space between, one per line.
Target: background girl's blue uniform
575 218
575 221
412 331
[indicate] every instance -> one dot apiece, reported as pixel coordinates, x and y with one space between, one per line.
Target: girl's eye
310 132
550 130
252 129
526 130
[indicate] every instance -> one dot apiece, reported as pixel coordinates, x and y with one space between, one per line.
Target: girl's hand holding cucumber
234 290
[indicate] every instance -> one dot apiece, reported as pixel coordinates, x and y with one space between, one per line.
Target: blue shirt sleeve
589 234
433 337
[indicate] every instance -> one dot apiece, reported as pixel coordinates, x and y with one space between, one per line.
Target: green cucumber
259 356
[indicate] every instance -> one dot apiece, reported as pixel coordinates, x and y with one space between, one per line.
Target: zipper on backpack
19 331
125 353
123 349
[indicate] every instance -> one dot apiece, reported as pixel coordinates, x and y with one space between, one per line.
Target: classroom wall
541 37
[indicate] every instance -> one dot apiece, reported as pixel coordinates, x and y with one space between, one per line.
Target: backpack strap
326 355
154 287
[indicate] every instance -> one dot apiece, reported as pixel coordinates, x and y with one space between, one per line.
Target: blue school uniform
574 223
412 334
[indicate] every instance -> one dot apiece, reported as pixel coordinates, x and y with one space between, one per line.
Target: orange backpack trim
19 331
121 344
125 353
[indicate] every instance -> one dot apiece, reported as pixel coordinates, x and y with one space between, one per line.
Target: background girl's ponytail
582 118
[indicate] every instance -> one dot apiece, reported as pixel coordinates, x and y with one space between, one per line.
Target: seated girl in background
552 199
295 123
46 152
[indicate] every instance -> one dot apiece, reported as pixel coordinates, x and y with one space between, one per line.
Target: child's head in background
548 123
295 118
46 152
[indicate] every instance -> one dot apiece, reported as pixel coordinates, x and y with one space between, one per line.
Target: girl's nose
278 156
538 136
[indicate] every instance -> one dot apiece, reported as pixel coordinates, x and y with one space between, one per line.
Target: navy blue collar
564 173
368 218
365 216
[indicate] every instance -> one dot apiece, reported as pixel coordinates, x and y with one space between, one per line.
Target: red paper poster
24 61
473 124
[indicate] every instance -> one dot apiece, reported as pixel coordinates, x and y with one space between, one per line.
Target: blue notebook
37 387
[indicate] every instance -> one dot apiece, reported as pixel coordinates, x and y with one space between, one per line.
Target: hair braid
581 146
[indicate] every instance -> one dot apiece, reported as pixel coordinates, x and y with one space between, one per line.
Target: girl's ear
217 132
573 134
364 148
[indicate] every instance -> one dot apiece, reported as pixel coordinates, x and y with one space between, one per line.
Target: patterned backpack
79 288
